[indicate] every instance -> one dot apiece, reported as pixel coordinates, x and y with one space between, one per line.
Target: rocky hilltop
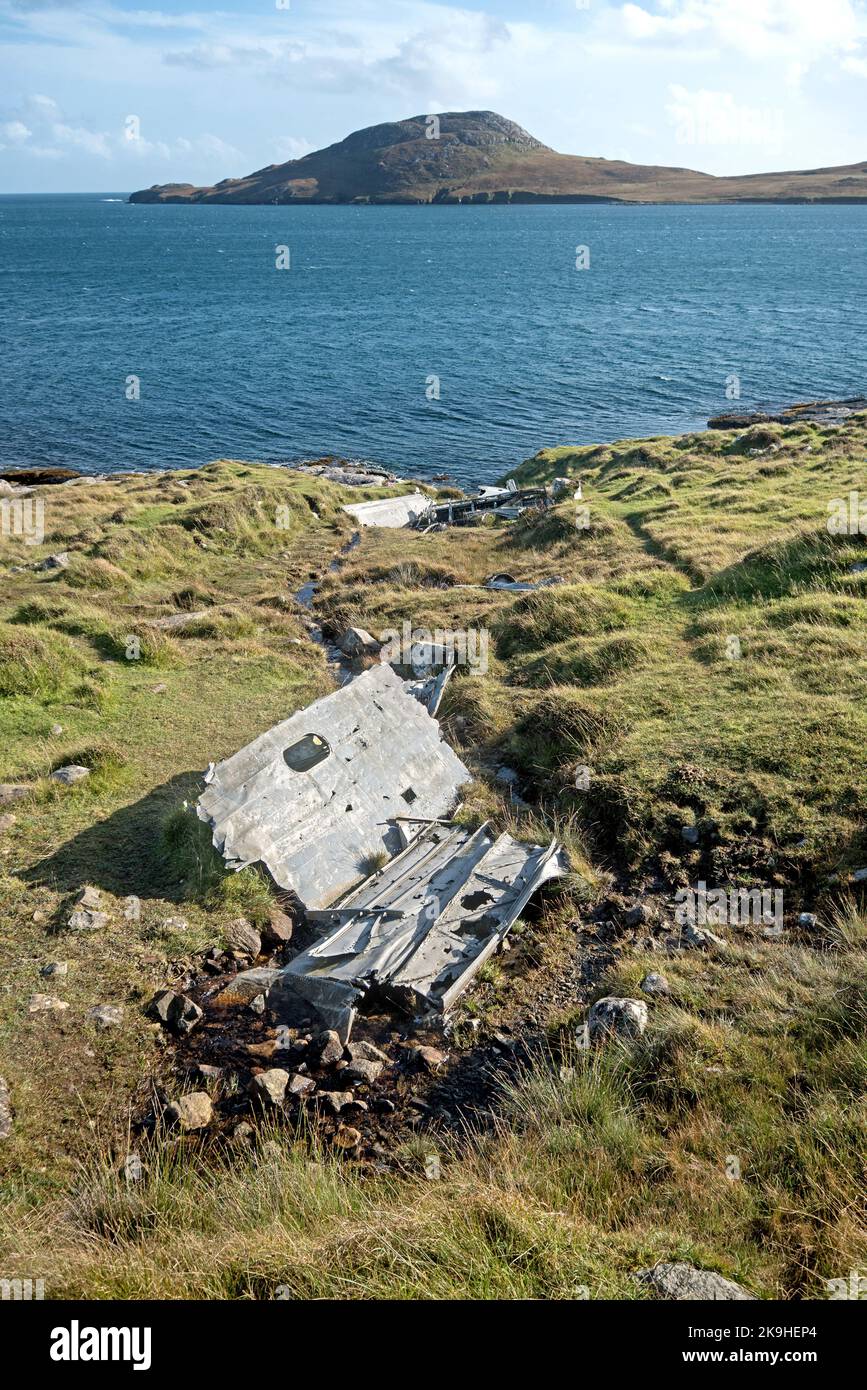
480 156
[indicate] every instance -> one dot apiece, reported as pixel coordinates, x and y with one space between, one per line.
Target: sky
109 95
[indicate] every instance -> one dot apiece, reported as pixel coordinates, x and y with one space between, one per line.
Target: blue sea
428 339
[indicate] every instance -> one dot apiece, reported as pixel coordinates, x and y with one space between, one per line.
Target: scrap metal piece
419 929
317 796
403 510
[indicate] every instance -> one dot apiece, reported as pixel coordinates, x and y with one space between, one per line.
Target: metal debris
404 510
506 502
418 930
317 796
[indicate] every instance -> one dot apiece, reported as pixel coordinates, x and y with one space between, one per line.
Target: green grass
584 1167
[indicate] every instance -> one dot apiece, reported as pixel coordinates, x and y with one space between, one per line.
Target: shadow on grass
126 852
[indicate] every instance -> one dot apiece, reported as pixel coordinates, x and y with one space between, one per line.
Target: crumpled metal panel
420 928
390 511
384 757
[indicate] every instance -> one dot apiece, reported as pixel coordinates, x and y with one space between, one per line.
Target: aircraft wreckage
347 804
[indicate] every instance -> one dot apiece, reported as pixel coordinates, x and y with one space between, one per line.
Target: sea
452 340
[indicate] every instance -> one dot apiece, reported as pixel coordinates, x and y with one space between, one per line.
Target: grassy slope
591 1168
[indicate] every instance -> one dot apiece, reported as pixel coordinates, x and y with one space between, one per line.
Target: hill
481 157
702 661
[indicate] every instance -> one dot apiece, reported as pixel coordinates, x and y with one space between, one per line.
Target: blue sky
730 86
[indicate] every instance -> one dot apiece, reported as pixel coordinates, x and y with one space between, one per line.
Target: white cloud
802 30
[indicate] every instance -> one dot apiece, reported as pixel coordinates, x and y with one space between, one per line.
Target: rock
808 920
654 983
5 1109
328 1047
175 1011
347 1137
132 1168
60 561
83 920
244 938
69 775
56 730
636 915
257 1005
365 1052
335 1101
356 642
54 969
859 876
246 985
430 1057
243 1133
700 939
613 1017
683 1282
689 834
6 823
362 1071
301 1085
507 775
45 1004
88 897
205 1072
278 930
106 1016
12 791
132 908
270 1086
192 1111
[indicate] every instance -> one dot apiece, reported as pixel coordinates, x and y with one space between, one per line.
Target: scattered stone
60 561
365 1052
84 920
335 1101
175 1011
699 939
654 983
278 930
6 823
12 791
301 1085
244 938
56 730
159 689
246 985
270 1086
808 920
362 1071
132 908
257 1005
430 1057
357 642
384 1106
45 1004
54 969
5 1109
192 1111
507 775
613 1017
132 1168
106 1016
243 1133
329 1048
347 1137
689 834
636 915
88 897
684 1282
69 775
205 1072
